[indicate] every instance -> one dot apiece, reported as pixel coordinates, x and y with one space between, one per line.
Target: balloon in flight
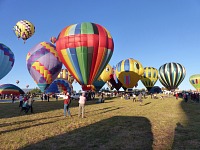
24 29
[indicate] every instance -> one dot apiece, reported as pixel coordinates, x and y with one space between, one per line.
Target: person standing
176 95
30 103
82 100
13 98
140 98
20 100
48 97
67 101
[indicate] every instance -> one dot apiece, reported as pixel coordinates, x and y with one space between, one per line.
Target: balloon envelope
53 40
24 29
85 49
195 81
10 89
129 71
43 64
7 60
59 86
98 84
171 75
105 75
150 77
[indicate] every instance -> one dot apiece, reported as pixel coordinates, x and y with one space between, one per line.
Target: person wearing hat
67 101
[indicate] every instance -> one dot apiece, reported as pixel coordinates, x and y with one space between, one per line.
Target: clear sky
153 32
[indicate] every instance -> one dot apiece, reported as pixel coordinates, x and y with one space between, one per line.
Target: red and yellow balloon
85 49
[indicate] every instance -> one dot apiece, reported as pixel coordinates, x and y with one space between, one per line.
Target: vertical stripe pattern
150 77
85 49
129 71
171 75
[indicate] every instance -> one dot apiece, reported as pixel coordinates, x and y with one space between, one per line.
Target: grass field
116 124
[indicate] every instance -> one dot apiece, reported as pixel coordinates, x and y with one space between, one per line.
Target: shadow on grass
146 104
8 110
188 136
119 132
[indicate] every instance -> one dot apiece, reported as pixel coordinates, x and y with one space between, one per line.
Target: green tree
35 90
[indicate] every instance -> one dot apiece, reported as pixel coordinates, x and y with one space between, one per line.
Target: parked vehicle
75 96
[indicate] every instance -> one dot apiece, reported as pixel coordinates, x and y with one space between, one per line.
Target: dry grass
115 124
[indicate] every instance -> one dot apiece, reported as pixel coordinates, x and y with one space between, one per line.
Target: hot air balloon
10 89
195 81
59 86
171 75
65 74
85 49
7 60
150 77
27 86
98 84
113 82
43 64
24 29
129 72
53 40
17 81
105 75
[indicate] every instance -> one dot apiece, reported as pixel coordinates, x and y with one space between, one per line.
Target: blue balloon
59 86
7 60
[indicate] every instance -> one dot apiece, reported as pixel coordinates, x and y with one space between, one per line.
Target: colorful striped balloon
85 49
7 60
10 89
171 75
59 86
129 72
43 64
150 77
195 81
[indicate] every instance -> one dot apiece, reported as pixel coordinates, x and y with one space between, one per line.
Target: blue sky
153 32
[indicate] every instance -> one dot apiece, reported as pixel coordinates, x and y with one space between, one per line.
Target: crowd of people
26 101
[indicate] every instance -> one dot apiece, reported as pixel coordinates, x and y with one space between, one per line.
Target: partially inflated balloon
10 89
150 77
7 60
98 84
129 71
43 64
85 49
59 86
171 75
195 81
24 29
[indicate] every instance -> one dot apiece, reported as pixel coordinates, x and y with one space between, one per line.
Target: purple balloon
43 64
